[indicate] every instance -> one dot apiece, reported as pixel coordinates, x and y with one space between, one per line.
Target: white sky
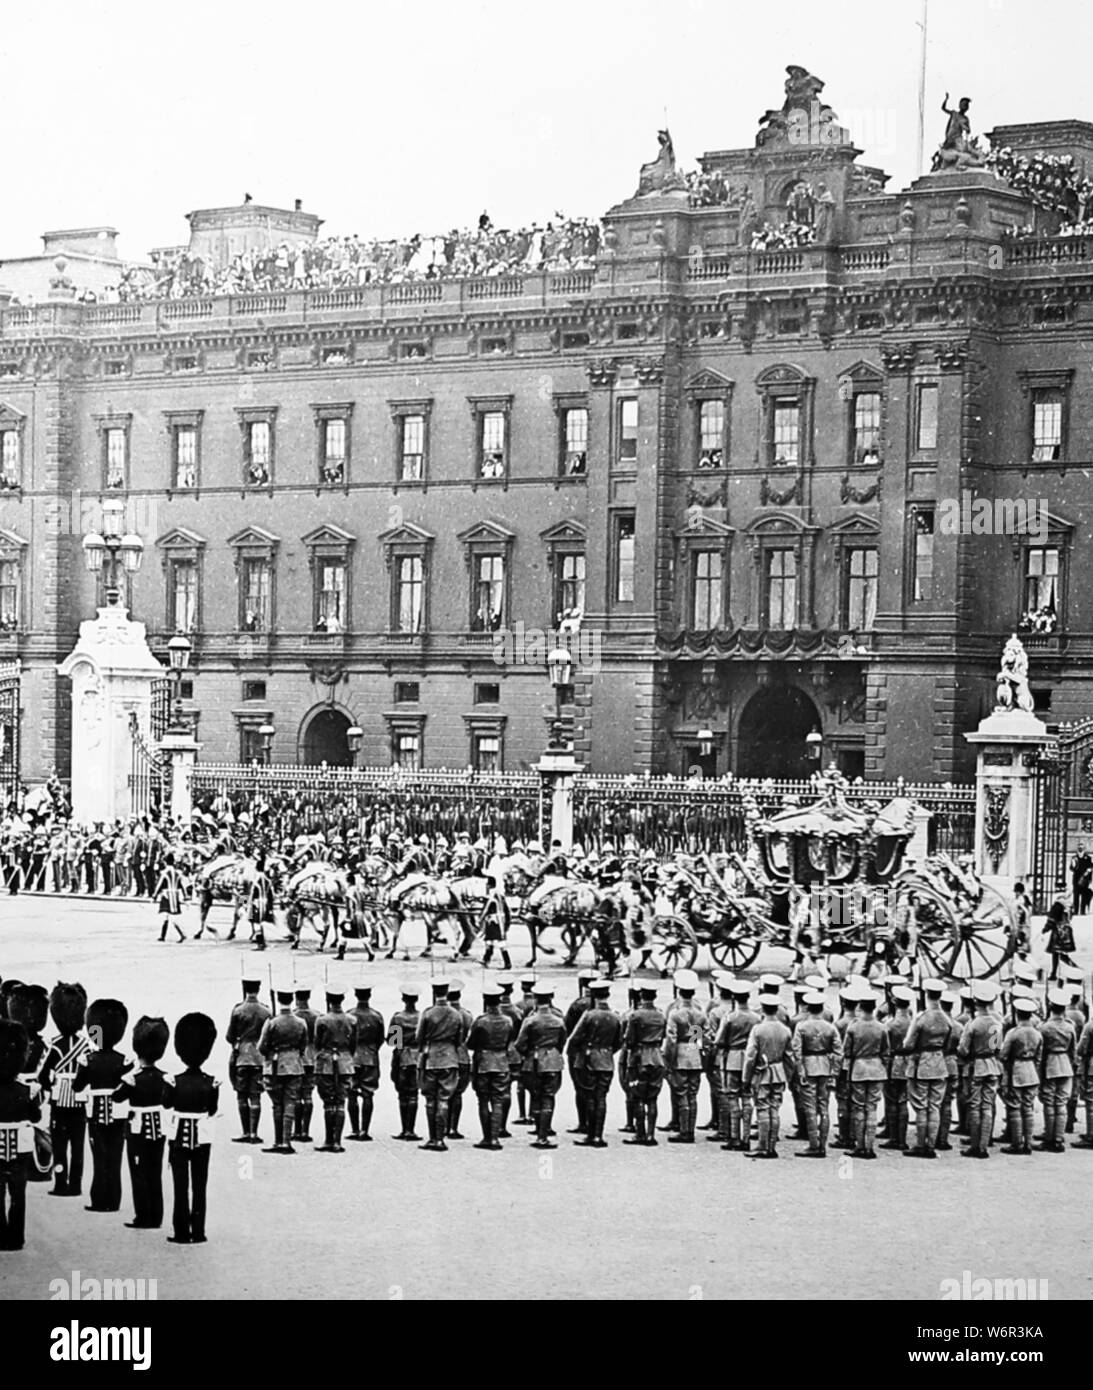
417 115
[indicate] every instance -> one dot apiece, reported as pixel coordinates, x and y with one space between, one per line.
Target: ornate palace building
729 437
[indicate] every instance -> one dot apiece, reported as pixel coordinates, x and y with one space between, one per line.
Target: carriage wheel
734 952
974 948
674 945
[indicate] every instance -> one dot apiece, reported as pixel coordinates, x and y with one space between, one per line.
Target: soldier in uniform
963 1067
594 1041
245 1068
798 989
366 1064
865 1047
147 1092
67 1115
730 1047
19 1110
644 1042
925 1044
1084 1082
817 1058
524 1006
980 1044
633 997
768 1063
402 1040
716 1010
1073 984
194 1096
463 1076
509 1009
440 1034
488 1045
848 1012
29 1005
684 1040
335 1043
100 1075
949 1001
281 1046
540 1042
897 1024
1060 1044
577 1074
1020 1057
305 1105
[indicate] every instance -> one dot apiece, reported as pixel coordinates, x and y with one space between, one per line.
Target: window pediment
328 535
254 538
782 378
862 375
406 535
181 539
487 533
564 533
856 525
11 543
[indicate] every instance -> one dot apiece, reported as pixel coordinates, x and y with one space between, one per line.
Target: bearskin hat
29 1005
13 1049
194 1038
6 990
68 1007
106 1022
150 1038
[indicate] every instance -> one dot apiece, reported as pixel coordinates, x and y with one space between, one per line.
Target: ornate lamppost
178 653
560 669
105 552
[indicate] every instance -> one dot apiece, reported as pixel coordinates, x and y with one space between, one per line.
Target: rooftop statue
959 149
661 175
804 119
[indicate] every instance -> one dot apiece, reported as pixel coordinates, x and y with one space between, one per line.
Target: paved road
386 1221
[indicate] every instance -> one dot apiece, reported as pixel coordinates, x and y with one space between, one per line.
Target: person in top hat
768 1063
402 1040
1020 1057
488 1044
1056 1070
67 1115
147 1093
540 1042
684 1043
463 1069
335 1044
596 1038
194 1099
305 1105
19 1111
245 1068
281 1046
980 1045
100 1077
926 1042
644 1042
865 1046
730 1049
366 1064
817 1058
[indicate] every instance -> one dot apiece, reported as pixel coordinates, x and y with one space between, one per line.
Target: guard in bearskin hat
195 1097
29 1005
148 1093
18 1113
67 1115
99 1082
6 990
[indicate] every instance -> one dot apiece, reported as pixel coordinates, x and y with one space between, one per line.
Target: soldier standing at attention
19 1109
925 1044
949 1001
67 1115
488 1045
439 1036
684 1039
281 1047
768 1063
849 1011
305 1105
100 1075
596 1039
633 999
335 1043
194 1097
897 1025
1084 1082
716 1011
730 1046
979 1048
509 1009
800 1013
524 1006
644 1042
402 1040
963 1068
542 1036
366 1064
817 1057
463 1070
1056 1070
245 1068
1020 1056
866 1051
577 1072
148 1094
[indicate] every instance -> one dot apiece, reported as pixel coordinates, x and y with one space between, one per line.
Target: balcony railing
1059 250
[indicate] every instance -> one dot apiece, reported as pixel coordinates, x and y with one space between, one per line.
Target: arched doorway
770 741
325 739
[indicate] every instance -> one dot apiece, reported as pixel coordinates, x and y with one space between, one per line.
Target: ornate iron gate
9 731
148 773
161 706
1062 808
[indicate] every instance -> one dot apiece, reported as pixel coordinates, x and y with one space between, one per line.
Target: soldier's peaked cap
814 999
1058 998
933 986
686 980
250 983
543 991
492 991
1024 1006
284 996
439 986
409 991
740 989
362 989
527 980
648 991
771 982
599 986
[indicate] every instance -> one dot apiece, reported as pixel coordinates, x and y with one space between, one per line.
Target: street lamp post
560 669
265 733
354 737
178 653
102 552
814 746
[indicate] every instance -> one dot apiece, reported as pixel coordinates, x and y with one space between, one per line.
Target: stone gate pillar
182 750
112 672
558 770
1004 829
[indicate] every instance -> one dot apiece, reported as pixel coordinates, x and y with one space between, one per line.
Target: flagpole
922 89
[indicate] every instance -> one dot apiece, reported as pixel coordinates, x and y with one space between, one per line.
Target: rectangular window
115 458
711 434
412 456
9 458
250 744
410 599
926 430
786 442
254 690
487 753
628 431
575 442
487 693
569 597
861 588
781 590
866 445
256 595
334 451
408 751
9 595
1042 580
706 591
407 692
1047 426
624 559
259 451
184 595
492 459
330 596
488 598
922 563
185 456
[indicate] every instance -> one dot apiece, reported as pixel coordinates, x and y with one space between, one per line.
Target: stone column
112 672
1004 830
558 771
182 750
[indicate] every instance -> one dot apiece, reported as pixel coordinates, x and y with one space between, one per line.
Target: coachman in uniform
19 1112
644 1044
281 1047
147 1092
592 1046
402 1040
335 1043
768 1064
98 1081
195 1096
817 1057
542 1037
245 1068
440 1034
366 1065
488 1045
67 1115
